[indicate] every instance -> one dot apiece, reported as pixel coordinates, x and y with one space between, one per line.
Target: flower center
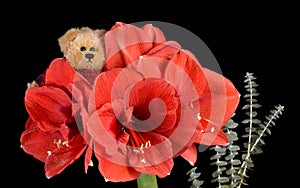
137 141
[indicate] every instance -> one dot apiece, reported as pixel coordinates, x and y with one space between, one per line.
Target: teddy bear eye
92 49
82 48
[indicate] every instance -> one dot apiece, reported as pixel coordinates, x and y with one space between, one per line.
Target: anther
57 143
199 117
66 143
141 148
136 151
147 144
143 161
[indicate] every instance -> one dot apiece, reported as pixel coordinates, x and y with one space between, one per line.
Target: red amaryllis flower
53 131
153 103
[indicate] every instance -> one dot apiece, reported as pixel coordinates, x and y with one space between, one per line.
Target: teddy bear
84 49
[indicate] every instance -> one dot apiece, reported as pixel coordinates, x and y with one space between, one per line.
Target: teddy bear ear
100 32
69 36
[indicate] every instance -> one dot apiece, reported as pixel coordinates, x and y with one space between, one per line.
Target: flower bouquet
153 101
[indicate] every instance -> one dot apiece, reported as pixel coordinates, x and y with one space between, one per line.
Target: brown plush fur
83 48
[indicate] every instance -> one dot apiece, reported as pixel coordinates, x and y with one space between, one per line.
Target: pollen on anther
58 143
198 116
141 57
49 153
147 144
91 163
66 143
143 161
136 151
212 129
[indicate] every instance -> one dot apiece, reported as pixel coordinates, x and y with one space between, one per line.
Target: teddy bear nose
89 56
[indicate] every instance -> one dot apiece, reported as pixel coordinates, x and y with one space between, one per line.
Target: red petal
156 159
103 128
218 100
36 142
155 104
61 158
148 67
115 172
165 50
190 154
60 73
154 33
126 43
81 90
49 106
111 85
213 138
107 133
186 132
102 89
117 24
187 74
161 170
88 158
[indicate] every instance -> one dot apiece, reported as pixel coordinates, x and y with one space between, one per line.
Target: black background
242 40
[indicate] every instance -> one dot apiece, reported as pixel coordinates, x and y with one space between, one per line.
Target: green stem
147 181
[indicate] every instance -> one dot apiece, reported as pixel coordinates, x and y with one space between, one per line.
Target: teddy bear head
83 48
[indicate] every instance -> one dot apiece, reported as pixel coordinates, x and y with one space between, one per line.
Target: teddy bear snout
89 56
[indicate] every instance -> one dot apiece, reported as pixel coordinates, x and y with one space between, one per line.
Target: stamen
66 143
148 144
141 148
199 117
143 161
59 143
136 138
137 141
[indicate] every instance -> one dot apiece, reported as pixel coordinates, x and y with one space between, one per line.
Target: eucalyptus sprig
231 171
193 177
263 130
